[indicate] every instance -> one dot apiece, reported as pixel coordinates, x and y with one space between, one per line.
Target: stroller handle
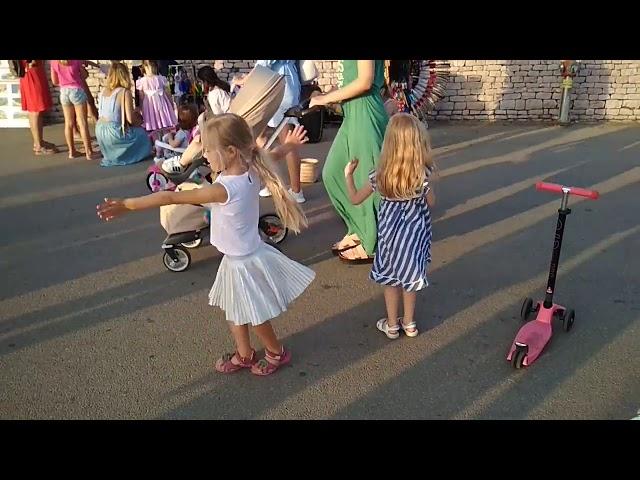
302 109
556 188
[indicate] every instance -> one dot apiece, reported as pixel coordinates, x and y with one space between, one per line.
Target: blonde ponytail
230 129
288 210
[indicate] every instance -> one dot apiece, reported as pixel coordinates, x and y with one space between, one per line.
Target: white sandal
390 332
411 326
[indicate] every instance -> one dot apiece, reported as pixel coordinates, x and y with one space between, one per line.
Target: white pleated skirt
258 287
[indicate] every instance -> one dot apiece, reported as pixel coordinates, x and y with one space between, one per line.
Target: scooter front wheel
517 359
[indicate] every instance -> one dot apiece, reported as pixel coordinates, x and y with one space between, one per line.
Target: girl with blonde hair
405 171
255 282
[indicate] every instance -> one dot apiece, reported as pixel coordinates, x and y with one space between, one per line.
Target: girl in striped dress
404 221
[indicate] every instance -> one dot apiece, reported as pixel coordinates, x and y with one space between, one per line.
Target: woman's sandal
271 362
353 261
337 250
226 364
390 332
410 329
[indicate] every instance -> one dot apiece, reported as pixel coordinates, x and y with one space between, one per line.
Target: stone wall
531 90
494 89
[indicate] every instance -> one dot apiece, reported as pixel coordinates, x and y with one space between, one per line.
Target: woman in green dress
360 136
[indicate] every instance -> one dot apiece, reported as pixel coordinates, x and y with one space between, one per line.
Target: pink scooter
534 335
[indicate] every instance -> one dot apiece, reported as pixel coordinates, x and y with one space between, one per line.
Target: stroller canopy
259 98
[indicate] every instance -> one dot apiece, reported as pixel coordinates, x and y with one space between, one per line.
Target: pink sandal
271 362
226 364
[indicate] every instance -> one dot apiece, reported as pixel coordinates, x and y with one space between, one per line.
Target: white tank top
234 224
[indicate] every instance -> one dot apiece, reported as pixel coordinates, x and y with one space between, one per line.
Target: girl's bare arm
113 208
356 196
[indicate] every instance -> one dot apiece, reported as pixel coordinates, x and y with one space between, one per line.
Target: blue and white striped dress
404 241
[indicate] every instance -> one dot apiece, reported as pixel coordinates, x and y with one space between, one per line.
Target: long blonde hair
405 159
118 76
232 130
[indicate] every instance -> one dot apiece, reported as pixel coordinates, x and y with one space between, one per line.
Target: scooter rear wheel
526 309
568 317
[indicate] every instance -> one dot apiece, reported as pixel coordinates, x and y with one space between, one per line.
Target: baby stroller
256 102
186 225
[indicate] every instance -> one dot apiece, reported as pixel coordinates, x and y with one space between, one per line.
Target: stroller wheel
181 264
271 228
195 244
156 182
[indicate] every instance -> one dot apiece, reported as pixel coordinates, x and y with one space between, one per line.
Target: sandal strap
385 324
273 358
227 357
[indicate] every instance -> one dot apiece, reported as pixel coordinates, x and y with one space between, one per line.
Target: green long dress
360 136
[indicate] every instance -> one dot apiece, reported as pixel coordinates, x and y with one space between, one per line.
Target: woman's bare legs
36 125
293 161
83 126
69 120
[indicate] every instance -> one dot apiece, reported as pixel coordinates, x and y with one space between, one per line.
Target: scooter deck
535 334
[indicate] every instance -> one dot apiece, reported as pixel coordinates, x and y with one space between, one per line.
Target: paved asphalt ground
93 326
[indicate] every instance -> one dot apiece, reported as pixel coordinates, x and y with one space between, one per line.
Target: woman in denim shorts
68 75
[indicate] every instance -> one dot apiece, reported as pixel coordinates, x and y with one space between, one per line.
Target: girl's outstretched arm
114 208
356 196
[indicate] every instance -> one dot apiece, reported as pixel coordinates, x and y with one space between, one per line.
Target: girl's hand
318 100
297 136
111 208
351 167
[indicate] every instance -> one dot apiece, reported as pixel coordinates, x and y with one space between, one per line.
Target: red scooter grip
555 188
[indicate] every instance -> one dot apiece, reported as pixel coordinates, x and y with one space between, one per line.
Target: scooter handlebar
556 188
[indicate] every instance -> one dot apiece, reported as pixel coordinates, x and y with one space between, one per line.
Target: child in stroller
173 143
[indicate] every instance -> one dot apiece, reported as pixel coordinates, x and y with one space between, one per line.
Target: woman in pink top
68 75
